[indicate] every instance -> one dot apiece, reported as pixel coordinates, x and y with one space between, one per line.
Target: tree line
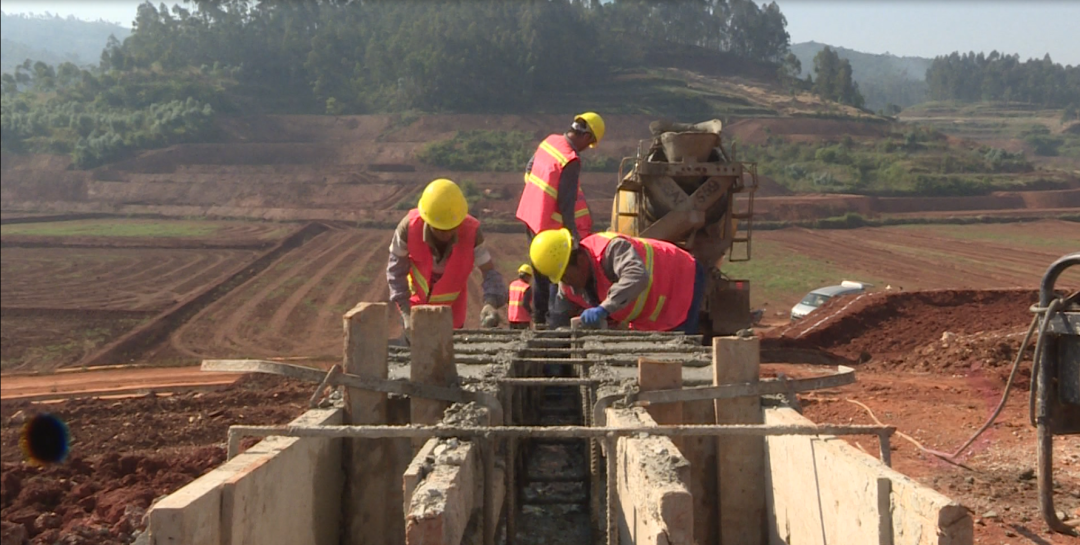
975 77
834 79
182 65
98 117
458 55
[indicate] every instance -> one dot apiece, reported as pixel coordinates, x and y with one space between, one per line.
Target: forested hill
970 77
467 55
183 65
883 79
53 39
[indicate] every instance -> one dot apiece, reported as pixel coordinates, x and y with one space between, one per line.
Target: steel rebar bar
544 432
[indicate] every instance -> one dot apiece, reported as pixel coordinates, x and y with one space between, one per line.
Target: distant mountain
883 79
53 39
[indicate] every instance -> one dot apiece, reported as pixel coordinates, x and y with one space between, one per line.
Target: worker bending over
650 284
519 311
434 249
552 198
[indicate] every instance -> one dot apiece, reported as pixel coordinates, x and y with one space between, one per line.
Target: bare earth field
61 302
110 279
293 307
72 287
790 262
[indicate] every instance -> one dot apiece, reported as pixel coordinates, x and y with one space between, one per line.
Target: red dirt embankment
362 168
877 326
124 455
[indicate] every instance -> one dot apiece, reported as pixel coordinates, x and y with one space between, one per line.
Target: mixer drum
683 147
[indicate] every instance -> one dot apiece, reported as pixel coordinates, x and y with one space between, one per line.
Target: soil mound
987 354
882 325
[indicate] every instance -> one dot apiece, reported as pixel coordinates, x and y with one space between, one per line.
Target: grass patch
778 276
481 150
917 162
497 151
34 343
114 228
853 220
996 234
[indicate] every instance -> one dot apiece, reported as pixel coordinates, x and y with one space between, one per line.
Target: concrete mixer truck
685 187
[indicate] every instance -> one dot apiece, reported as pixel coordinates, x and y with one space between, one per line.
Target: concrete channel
553 437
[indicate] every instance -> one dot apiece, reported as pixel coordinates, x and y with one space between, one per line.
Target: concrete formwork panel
442 503
192 515
417 469
654 500
921 515
282 490
701 452
821 490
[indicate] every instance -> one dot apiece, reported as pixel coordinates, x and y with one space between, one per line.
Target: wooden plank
658 374
373 493
432 360
740 460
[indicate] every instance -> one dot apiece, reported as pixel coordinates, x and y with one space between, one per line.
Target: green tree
789 71
834 79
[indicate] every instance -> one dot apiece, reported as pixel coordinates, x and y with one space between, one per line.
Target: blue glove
593 316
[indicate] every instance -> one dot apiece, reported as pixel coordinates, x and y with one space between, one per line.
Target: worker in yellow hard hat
434 249
519 309
649 284
552 197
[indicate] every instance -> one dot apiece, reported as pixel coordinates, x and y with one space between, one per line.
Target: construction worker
434 249
519 311
650 284
552 194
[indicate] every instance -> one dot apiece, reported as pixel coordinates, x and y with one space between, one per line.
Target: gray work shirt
624 267
397 270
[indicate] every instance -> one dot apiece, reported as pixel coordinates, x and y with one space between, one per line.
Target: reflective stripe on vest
451 287
515 311
663 304
539 204
650 258
582 217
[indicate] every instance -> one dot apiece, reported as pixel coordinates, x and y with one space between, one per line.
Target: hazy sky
923 28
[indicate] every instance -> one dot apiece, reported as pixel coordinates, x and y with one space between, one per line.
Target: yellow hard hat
550 253
443 205
595 125
525 269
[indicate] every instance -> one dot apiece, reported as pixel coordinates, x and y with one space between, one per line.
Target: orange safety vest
452 287
664 303
515 312
539 204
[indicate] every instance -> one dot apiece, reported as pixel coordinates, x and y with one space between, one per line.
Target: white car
816 298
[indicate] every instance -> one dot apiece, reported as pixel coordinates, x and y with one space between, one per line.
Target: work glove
593 317
489 317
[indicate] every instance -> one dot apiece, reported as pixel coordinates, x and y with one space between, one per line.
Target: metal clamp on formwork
335 377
